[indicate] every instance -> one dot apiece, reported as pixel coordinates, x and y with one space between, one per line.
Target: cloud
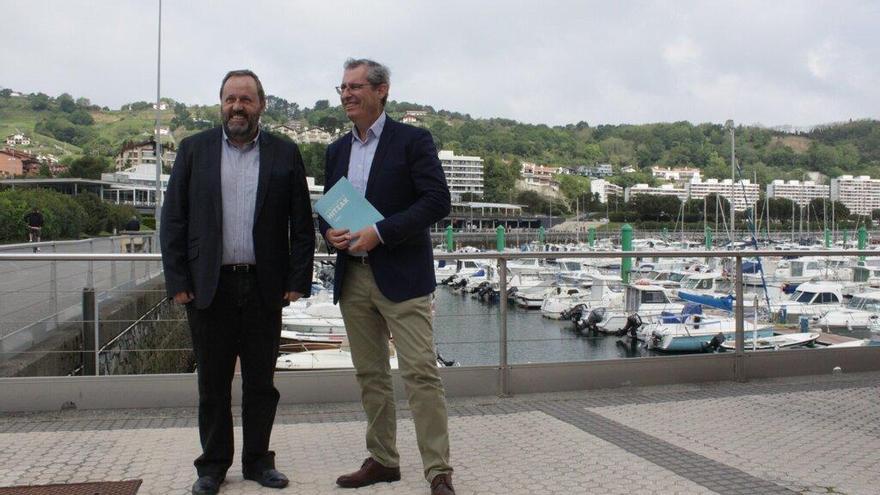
553 62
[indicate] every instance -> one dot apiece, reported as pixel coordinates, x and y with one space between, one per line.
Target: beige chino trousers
370 319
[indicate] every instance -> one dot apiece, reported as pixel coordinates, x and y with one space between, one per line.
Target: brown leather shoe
442 485
371 472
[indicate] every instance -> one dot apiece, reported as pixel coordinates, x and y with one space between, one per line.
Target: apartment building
741 193
663 190
801 192
860 194
464 174
604 189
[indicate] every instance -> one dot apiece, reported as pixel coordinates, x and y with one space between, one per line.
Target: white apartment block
464 174
860 194
604 189
663 190
676 174
741 193
799 192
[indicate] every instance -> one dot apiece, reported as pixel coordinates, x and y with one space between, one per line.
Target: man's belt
239 268
358 259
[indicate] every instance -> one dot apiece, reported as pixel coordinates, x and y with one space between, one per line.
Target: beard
241 130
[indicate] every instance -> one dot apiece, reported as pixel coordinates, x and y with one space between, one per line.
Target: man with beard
385 275
237 245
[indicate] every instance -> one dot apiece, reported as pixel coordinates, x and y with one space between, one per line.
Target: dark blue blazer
407 186
191 227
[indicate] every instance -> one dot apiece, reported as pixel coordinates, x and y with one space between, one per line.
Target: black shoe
207 485
270 478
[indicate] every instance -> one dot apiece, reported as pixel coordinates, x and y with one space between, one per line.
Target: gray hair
376 73
244 73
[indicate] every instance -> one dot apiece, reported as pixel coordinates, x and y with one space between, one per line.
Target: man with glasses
237 244
384 277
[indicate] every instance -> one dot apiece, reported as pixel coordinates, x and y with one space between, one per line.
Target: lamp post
158 194
729 125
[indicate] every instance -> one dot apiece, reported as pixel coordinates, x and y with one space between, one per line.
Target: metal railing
509 378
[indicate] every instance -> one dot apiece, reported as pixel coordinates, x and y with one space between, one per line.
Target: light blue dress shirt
239 174
361 159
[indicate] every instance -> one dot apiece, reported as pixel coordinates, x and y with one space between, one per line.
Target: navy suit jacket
191 227
407 186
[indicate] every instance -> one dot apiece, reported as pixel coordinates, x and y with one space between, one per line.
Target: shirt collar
375 129
246 146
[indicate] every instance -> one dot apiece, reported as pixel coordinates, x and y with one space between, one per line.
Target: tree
66 103
651 207
97 212
88 167
5 93
499 180
81 117
83 102
573 187
39 102
322 105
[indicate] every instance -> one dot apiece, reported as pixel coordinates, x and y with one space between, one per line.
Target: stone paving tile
520 453
825 441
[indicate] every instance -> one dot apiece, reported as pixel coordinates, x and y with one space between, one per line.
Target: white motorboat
605 291
860 313
325 359
645 300
694 332
774 342
314 320
811 299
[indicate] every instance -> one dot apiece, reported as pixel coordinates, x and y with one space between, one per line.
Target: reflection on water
467 330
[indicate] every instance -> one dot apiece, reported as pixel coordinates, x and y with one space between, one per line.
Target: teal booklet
343 207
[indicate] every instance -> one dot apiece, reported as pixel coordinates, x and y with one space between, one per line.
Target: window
803 297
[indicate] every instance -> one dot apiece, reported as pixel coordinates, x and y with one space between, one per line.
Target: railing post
113 263
504 368
740 357
53 283
89 334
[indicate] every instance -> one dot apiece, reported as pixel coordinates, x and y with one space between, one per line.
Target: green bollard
626 244
845 238
664 233
827 237
708 233
541 234
450 239
499 238
863 240
591 236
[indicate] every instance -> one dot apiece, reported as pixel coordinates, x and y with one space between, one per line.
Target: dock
825 338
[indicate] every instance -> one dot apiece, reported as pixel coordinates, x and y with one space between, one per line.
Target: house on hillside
14 163
133 154
17 140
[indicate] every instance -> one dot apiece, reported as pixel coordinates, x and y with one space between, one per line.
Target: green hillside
63 125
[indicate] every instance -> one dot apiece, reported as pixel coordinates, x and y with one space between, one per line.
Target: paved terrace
816 434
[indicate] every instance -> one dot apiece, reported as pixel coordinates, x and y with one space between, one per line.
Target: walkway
795 435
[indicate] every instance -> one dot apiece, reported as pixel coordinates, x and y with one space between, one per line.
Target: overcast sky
540 61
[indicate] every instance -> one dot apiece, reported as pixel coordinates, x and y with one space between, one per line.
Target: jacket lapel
266 159
215 156
381 151
343 157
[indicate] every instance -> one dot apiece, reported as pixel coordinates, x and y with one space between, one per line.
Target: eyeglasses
351 87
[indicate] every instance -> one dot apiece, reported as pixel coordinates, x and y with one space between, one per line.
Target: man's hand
183 297
365 240
338 238
292 296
